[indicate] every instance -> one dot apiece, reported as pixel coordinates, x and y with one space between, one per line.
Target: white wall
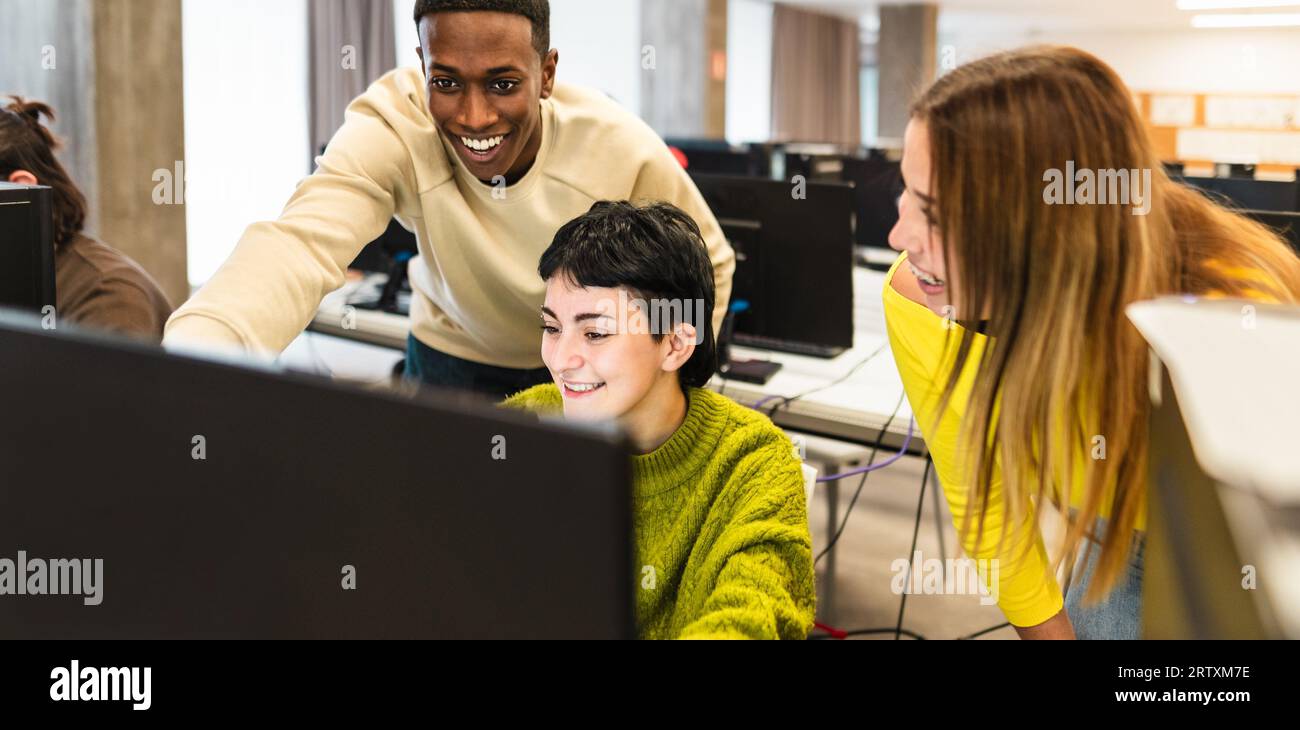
599 43
749 71
246 135
1208 61
600 46
404 33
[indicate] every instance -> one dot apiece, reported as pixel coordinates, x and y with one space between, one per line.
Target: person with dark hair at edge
719 508
484 156
96 287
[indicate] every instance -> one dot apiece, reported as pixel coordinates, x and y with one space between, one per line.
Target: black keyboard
808 349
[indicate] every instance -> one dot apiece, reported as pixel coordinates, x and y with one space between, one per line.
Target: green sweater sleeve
764 584
539 399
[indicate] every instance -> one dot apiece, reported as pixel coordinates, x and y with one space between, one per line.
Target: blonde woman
1006 318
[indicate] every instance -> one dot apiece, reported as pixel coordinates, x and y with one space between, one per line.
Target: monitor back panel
228 502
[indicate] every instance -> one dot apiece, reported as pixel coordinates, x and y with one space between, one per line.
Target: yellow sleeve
1020 575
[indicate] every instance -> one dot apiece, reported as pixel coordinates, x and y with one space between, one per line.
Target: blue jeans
1119 615
431 367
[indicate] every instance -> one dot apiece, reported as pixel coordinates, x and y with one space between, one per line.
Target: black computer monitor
1247 193
822 167
389 254
795 263
1241 170
378 255
877 183
26 246
229 502
718 157
1287 225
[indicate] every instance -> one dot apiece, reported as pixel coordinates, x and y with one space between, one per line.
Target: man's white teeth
584 388
925 277
482 145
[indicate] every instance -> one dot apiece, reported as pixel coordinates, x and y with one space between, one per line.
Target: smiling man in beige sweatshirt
484 157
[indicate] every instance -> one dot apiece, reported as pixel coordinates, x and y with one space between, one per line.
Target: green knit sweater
722 542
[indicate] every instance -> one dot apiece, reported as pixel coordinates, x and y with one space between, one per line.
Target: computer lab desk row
848 398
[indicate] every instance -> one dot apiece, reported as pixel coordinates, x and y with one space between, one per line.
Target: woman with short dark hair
722 542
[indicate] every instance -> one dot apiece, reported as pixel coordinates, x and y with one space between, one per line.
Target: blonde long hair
1054 280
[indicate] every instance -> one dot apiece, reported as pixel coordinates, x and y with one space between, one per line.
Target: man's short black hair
537 11
657 252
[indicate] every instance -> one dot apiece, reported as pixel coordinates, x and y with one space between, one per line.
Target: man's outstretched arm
267 292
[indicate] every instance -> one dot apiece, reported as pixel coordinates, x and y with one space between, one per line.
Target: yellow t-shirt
1027 590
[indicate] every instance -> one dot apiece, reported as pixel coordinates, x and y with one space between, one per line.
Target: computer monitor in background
718 157
1247 193
744 236
228 502
1287 225
26 247
379 254
795 267
877 183
820 166
1242 171
389 255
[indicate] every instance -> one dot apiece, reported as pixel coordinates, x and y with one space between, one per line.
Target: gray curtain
48 54
351 44
815 78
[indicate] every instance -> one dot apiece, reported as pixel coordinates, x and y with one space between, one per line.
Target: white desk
335 317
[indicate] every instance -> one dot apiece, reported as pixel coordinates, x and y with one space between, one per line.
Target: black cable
785 401
898 631
916 530
875 447
924 480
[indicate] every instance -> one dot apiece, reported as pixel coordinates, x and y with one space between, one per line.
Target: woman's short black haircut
537 11
657 253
